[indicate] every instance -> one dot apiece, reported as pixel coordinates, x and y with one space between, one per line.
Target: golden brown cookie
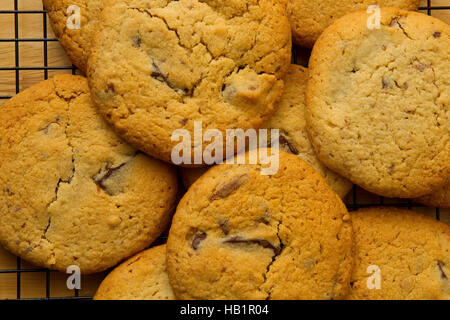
238 234
72 192
310 18
440 198
290 120
377 102
142 277
399 255
159 66
63 17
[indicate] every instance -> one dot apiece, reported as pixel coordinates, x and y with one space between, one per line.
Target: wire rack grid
357 199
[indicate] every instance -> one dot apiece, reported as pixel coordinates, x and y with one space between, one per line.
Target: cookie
290 120
159 66
142 277
238 234
310 18
399 255
439 198
75 41
72 192
377 102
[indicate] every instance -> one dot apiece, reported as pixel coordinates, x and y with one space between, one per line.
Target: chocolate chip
224 190
391 169
137 41
441 269
8 191
183 121
437 34
420 66
110 88
156 72
101 180
160 76
198 238
260 242
224 226
287 145
394 22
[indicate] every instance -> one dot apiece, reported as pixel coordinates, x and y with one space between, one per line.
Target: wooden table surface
31 54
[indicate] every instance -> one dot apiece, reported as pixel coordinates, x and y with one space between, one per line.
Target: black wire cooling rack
354 200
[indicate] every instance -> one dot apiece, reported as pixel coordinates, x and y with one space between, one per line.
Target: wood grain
31 54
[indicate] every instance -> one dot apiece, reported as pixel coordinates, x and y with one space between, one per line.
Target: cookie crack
396 21
441 265
189 92
274 259
72 148
160 76
151 15
66 132
157 73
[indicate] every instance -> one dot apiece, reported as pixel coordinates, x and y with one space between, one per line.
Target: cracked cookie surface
378 102
238 234
310 18
76 42
411 251
72 192
159 66
142 277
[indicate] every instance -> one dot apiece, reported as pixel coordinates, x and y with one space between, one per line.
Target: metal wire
17 68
